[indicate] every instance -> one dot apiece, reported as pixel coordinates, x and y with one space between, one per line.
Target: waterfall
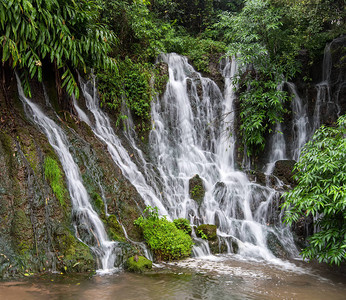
88 226
329 89
190 136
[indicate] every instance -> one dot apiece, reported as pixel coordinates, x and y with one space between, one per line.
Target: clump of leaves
183 224
321 192
163 237
65 33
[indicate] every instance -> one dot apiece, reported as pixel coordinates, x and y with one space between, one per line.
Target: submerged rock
138 264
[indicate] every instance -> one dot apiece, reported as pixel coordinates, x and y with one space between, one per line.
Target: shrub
163 237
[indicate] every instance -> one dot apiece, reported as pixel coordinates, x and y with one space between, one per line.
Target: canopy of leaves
321 192
60 31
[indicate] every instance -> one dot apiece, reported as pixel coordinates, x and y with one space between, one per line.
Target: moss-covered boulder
207 231
196 189
138 264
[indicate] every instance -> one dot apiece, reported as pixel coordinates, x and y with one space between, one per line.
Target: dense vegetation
168 240
321 192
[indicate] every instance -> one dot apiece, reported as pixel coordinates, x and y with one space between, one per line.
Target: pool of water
221 277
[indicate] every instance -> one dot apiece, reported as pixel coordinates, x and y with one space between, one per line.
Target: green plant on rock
321 192
183 224
163 237
54 176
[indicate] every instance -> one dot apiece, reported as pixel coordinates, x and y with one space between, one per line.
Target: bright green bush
321 192
163 237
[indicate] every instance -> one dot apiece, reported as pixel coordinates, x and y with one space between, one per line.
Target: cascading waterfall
300 122
103 130
88 226
188 138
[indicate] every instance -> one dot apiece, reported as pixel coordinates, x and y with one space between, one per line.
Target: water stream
88 226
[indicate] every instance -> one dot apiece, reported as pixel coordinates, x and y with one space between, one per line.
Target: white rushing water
87 221
189 137
300 122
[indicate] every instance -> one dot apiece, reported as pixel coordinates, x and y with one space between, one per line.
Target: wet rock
275 246
162 77
207 229
283 170
196 189
138 264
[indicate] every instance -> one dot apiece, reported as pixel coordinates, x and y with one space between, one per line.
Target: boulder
138 264
283 170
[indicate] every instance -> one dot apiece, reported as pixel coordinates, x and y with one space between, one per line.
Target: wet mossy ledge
36 223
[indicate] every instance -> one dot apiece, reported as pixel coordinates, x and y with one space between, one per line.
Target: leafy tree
321 192
65 33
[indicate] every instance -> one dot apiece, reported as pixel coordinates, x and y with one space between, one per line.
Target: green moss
99 206
54 176
114 229
208 230
138 264
21 231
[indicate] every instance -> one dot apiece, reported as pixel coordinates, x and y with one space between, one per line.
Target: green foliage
207 231
63 32
53 174
129 84
183 224
321 192
266 36
267 51
164 238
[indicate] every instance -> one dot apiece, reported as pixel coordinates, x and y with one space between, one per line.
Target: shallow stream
220 277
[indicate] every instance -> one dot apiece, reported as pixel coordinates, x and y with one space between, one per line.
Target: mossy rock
209 230
21 231
138 264
196 189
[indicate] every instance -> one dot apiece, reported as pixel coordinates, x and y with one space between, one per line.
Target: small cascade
103 130
88 226
329 89
300 122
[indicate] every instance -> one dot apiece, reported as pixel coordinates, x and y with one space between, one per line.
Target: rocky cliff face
36 228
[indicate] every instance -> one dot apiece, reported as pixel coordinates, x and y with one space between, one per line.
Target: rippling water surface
222 277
